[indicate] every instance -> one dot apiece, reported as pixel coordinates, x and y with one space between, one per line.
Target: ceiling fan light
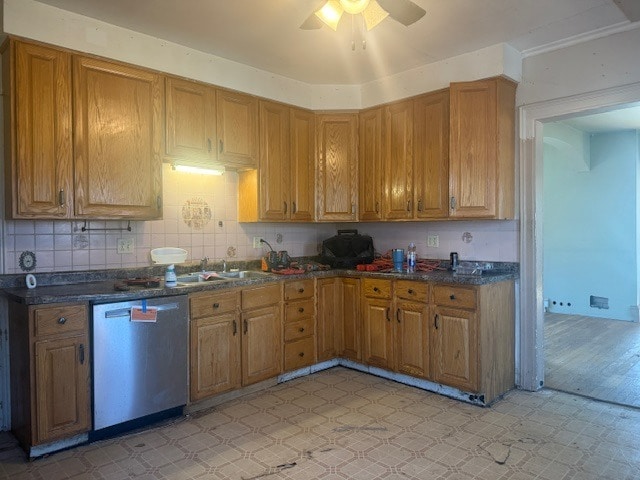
374 14
354 7
330 13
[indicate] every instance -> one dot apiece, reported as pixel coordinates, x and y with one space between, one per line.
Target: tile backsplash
200 215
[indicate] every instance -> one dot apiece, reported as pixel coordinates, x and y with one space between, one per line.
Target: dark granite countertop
97 288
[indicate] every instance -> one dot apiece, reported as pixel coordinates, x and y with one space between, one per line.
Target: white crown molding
581 38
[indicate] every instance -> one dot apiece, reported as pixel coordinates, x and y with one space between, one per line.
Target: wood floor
595 357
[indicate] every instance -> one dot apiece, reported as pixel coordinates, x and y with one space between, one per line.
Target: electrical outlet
256 242
126 245
433 241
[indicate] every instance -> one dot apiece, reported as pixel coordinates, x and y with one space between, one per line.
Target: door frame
530 374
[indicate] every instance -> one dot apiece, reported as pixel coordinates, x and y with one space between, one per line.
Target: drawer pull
294 207
435 321
62 320
376 289
301 329
81 348
301 354
301 290
398 315
388 317
410 291
301 310
246 326
284 204
235 328
216 305
452 297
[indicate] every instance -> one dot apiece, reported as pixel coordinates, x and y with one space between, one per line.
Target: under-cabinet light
202 169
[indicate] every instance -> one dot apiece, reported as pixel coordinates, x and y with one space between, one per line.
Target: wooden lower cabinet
50 364
377 325
338 318
299 324
261 333
412 328
473 338
215 341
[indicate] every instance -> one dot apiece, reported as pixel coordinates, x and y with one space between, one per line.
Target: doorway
590 265
531 308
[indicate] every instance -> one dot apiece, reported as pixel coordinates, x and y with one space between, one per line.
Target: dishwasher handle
126 312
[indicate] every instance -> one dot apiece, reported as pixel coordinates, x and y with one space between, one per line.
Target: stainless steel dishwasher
139 367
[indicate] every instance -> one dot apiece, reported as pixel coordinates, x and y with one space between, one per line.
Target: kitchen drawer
208 304
298 289
298 329
454 296
255 297
60 319
376 288
300 353
297 310
418 291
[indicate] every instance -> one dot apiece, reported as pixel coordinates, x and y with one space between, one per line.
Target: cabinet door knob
301 290
301 354
435 321
62 320
388 317
420 205
452 203
209 144
410 291
285 207
301 329
301 310
81 348
377 207
408 205
246 326
398 315
452 297
61 197
216 305
376 289
221 146
235 328
294 208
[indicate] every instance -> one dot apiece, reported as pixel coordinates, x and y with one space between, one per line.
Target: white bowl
168 255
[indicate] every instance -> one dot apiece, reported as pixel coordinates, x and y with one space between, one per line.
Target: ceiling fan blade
404 11
311 23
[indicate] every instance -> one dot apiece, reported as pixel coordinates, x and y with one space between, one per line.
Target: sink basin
196 278
244 274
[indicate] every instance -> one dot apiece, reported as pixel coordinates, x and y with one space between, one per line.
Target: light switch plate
433 241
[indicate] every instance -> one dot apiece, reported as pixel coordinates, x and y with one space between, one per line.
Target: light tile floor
343 424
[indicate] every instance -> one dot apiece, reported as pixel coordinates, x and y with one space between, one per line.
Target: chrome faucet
203 264
224 265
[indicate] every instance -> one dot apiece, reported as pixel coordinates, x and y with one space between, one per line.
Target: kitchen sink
197 278
245 274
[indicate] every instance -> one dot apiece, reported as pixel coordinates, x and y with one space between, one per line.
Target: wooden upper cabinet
337 188
431 155
302 128
273 166
118 140
38 140
398 159
237 126
190 121
482 149
370 164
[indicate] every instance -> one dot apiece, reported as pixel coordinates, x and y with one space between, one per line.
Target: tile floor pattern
343 424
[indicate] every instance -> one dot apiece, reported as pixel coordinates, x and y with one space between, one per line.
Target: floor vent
598 302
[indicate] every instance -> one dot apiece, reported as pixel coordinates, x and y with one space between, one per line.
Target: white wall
590 224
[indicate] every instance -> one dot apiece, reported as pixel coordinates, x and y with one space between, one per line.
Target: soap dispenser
170 279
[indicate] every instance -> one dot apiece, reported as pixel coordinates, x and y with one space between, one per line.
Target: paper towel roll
31 281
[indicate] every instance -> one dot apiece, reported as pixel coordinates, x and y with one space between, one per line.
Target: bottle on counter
170 279
411 258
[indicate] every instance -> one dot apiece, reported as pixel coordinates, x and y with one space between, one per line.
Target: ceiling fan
374 11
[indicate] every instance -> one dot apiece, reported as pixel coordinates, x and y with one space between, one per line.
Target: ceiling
623 118
264 33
